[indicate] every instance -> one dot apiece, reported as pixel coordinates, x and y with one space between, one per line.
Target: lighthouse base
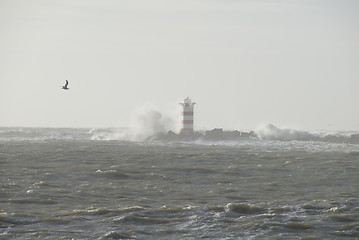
187 131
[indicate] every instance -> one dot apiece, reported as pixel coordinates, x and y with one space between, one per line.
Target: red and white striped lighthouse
187 116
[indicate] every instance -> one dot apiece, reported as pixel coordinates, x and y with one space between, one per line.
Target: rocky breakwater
217 134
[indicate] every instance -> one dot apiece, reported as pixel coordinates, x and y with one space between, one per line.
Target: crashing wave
271 132
159 130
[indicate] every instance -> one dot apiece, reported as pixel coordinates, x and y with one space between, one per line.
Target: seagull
65 87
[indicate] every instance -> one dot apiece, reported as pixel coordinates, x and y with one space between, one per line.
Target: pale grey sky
291 63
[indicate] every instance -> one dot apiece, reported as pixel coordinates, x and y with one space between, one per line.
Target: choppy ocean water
95 184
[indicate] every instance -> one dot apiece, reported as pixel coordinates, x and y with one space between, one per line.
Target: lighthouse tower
187 116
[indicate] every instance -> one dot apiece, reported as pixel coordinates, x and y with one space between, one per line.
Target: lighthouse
187 116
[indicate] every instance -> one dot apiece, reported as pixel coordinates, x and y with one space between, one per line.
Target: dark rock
216 134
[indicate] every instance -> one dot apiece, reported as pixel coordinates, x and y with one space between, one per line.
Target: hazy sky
291 63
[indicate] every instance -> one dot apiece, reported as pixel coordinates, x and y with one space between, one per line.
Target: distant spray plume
271 132
148 122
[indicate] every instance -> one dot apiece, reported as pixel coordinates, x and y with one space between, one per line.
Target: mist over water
150 124
146 122
272 132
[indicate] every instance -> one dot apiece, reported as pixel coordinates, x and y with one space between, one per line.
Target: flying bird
65 87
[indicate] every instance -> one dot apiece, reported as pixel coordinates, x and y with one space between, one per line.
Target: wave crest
271 132
146 123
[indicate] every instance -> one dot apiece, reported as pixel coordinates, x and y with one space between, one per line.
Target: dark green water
82 189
